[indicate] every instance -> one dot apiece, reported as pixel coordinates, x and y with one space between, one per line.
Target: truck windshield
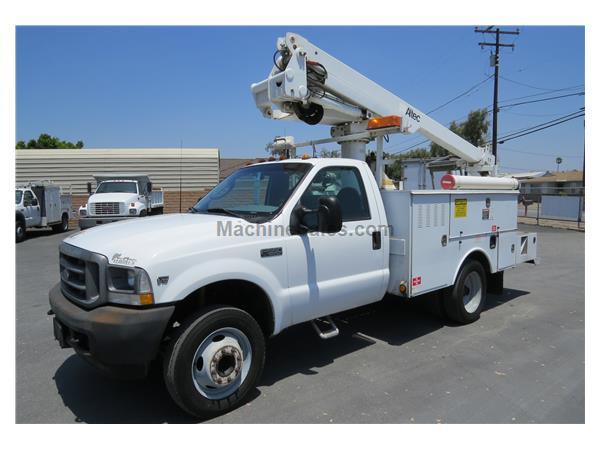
255 193
129 187
19 196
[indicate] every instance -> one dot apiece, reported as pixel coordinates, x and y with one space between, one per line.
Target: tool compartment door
432 254
507 250
53 205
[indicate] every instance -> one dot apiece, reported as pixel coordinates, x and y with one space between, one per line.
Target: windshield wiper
225 211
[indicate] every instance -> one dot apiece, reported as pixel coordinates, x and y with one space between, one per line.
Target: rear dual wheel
63 226
214 361
464 301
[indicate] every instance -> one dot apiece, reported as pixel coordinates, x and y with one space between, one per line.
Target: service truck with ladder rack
288 241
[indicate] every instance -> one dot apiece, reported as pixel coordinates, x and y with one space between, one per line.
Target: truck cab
119 197
27 203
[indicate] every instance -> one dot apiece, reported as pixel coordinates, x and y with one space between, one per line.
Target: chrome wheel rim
472 292
19 230
221 363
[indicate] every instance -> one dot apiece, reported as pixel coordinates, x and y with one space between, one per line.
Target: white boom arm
310 85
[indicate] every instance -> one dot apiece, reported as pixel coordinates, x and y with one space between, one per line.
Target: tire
143 213
20 231
63 226
464 301
221 344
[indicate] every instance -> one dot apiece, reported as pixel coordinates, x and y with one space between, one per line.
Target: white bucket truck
285 242
41 204
120 196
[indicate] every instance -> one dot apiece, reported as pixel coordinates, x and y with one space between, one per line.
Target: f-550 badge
118 258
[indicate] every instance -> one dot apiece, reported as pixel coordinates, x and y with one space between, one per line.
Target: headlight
83 210
129 286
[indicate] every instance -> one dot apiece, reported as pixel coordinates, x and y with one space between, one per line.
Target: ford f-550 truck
285 242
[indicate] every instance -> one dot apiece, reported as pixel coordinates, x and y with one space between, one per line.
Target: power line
512 113
540 129
468 91
569 88
489 109
510 105
520 130
527 85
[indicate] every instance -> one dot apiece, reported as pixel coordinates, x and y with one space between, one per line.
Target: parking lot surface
393 362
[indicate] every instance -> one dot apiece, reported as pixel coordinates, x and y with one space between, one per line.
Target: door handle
376 240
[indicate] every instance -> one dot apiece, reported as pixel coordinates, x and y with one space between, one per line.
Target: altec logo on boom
412 114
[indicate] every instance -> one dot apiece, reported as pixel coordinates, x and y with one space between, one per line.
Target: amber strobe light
384 122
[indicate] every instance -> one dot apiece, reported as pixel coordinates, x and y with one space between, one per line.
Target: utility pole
496 63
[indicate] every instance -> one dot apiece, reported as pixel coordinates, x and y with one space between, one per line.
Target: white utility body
120 196
41 204
287 241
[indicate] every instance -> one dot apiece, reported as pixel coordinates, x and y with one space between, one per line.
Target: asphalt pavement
393 362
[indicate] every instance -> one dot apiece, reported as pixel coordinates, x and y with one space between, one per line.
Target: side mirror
148 187
329 215
34 202
297 225
89 188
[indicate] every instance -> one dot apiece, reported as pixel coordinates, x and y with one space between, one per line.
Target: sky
190 86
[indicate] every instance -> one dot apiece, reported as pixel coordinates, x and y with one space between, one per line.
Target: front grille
82 275
105 208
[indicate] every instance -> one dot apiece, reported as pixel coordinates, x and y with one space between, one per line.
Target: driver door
333 272
32 209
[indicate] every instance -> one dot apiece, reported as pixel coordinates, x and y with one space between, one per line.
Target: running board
331 333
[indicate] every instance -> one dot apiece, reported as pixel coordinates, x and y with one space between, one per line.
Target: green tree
474 130
47 141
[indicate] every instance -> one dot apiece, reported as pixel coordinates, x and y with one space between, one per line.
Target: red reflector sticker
416 281
447 181
494 228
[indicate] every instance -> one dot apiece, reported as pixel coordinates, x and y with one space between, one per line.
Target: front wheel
464 301
20 230
214 361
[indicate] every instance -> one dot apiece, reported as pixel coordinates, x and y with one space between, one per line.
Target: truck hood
121 197
137 242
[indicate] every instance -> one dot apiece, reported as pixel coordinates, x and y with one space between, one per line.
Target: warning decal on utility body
460 207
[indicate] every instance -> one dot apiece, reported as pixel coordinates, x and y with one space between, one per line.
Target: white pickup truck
285 242
39 205
118 197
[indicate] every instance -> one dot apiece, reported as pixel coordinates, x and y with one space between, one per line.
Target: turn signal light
384 122
146 299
